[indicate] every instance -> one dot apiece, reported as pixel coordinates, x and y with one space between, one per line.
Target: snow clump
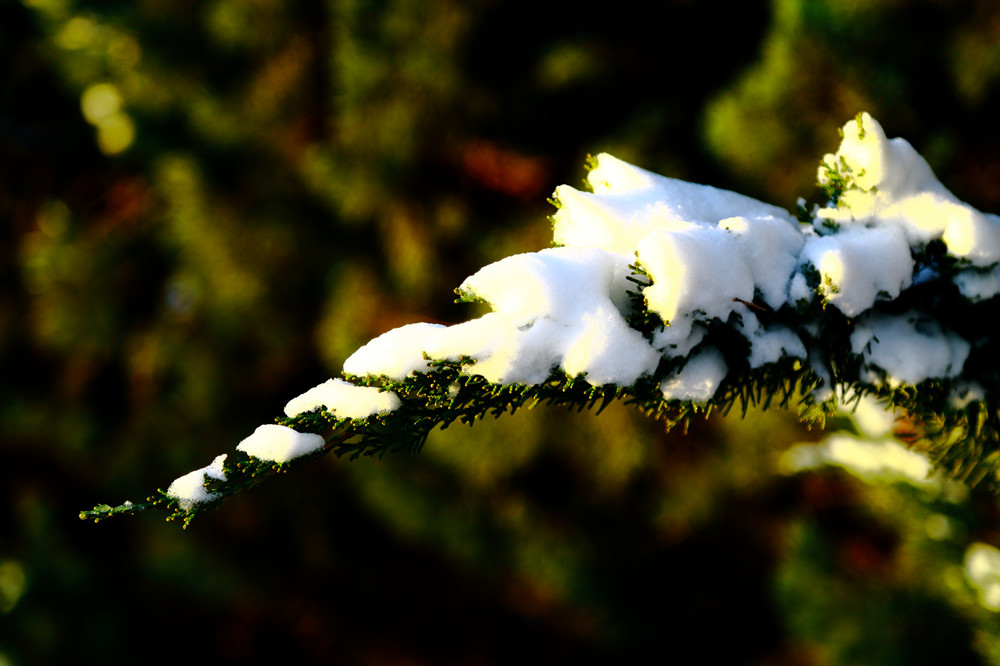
707 251
713 255
909 348
189 489
558 307
894 187
344 399
279 443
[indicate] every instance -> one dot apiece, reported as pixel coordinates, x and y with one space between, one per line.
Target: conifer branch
681 300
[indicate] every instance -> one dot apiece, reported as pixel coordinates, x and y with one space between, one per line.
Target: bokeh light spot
13 581
99 102
78 33
115 133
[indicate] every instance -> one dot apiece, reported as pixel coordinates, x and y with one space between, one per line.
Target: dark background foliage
206 206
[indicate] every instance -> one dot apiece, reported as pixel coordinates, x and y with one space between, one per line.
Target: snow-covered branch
683 298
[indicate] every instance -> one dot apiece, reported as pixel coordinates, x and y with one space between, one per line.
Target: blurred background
206 206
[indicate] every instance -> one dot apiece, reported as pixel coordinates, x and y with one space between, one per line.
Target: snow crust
279 443
344 399
189 489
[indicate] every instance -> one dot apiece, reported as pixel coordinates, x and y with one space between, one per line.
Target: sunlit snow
713 257
896 187
860 264
709 254
870 459
190 488
560 307
279 444
343 399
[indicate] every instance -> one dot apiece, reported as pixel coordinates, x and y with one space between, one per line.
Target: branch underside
962 442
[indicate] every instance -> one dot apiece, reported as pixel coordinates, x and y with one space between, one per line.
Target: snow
966 392
699 379
769 345
702 272
910 348
607 351
394 354
896 187
869 459
714 257
566 304
702 246
874 455
710 254
677 340
557 307
769 246
628 202
859 264
872 418
557 283
344 399
189 489
279 444
979 285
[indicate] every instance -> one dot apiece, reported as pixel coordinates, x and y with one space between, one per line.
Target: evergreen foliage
304 175
955 418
